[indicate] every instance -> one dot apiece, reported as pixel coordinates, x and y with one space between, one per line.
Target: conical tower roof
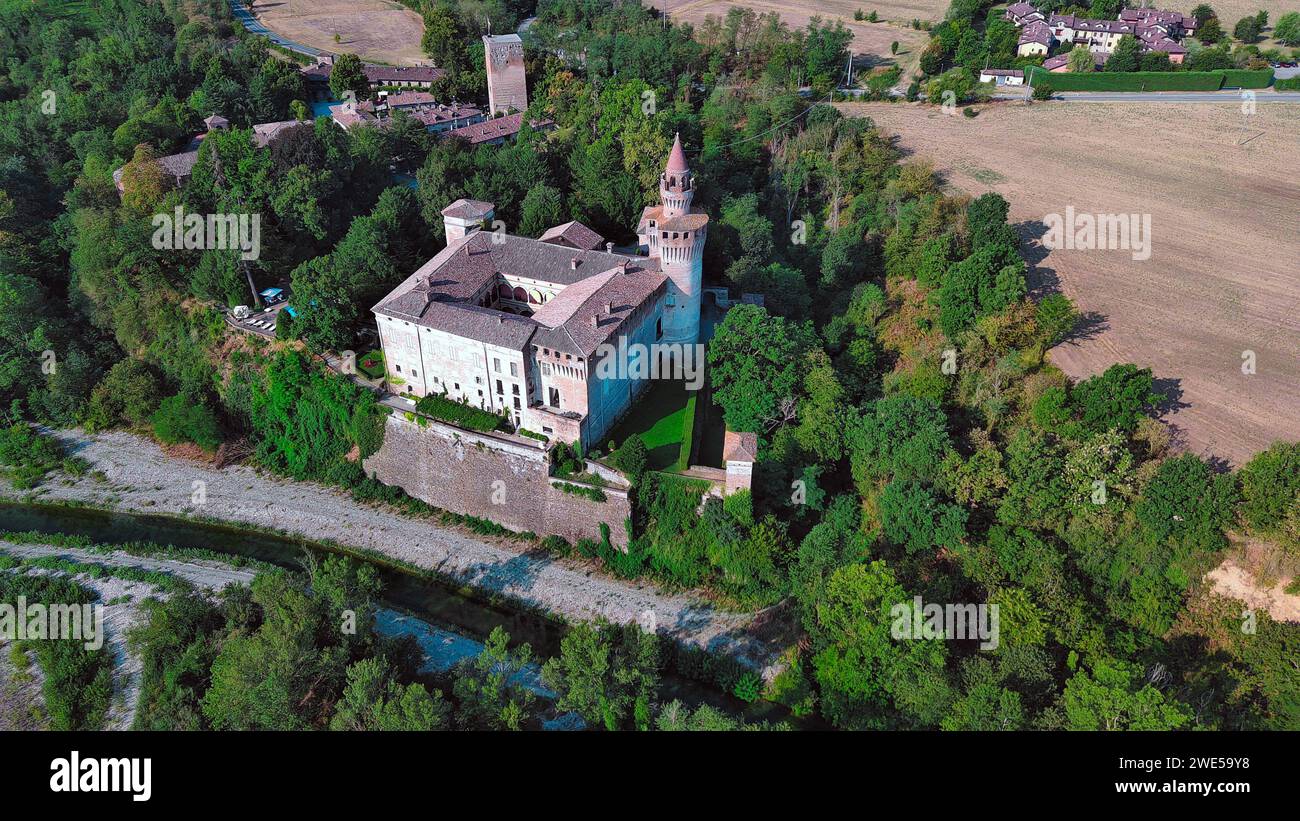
677 159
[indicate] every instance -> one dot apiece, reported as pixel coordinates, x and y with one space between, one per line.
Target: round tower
679 235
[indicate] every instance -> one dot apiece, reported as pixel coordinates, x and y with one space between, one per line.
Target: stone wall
494 478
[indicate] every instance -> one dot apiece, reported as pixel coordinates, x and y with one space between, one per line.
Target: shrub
749 687
180 420
457 413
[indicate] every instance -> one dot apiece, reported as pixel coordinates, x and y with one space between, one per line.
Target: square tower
506 81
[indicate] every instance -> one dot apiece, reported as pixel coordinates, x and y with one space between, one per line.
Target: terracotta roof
597 313
446 113
677 158
575 235
488 130
216 121
468 209
693 221
406 98
401 74
1003 72
739 446
265 133
1056 62
1036 32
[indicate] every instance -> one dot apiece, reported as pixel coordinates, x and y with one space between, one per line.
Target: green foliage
179 419
1114 696
374 700
77 682
914 519
490 694
608 674
753 360
1185 502
1270 486
28 454
128 394
1114 399
901 436
457 413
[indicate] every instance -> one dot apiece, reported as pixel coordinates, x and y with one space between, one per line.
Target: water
427 598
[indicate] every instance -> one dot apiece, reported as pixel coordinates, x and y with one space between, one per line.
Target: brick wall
494 478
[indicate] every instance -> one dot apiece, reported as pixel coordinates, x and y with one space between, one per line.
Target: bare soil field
871 39
377 30
1223 275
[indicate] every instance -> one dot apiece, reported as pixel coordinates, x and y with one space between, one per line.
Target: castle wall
506 80
494 478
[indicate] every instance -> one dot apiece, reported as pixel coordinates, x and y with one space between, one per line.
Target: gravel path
143 479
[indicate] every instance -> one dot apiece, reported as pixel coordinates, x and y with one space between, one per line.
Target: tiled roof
468 209
600 312
693 221
440 294
739 447
405 98
1056 62
402 74
1003 72
265 133
476 133
1036 32
575 235
446 113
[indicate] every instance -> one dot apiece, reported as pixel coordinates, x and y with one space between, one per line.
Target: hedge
1289 84
447 410
1237 78
1155 80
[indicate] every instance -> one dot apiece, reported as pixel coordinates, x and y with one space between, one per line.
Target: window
499 387
399 368
458 386
546 369
496 365
514 369
516 403
555 397
547 430
514 389
414 373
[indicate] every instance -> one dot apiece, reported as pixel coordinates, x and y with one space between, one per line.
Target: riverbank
131 474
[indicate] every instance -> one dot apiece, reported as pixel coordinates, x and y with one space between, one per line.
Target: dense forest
914 438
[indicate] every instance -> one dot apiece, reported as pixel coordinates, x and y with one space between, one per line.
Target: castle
520 326
507 85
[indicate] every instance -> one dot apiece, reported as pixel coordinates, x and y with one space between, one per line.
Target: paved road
243 15
1262 96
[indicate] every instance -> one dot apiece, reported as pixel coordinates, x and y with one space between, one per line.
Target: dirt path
139 478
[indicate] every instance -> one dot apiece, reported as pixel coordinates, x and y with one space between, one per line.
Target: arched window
521 295
535 297
504 291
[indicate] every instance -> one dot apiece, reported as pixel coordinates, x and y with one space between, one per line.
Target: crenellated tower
675 231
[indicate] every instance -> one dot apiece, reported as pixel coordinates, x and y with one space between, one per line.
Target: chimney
573 263
609 247
595 320
609 308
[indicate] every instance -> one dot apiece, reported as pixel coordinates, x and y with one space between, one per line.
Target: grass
660 416
372 364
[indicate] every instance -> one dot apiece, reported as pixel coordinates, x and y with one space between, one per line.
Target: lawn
372 364
661 416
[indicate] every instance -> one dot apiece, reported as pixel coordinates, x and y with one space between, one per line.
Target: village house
1003 76
518 325
401 77
1156 31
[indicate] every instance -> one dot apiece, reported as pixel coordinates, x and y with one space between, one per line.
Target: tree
915 520
1247 30
348 75
129 393
179 419
633 457
863 672
1116 398
1043 90
1125 56
1287 29
755 361
1270 485
1056 318
903 437
1186 503
1115 696
893 47
608 674
1210 31
1081 61
374 700
489 689
541 209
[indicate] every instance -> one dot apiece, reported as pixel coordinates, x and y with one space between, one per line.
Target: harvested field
377 30
1223 275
